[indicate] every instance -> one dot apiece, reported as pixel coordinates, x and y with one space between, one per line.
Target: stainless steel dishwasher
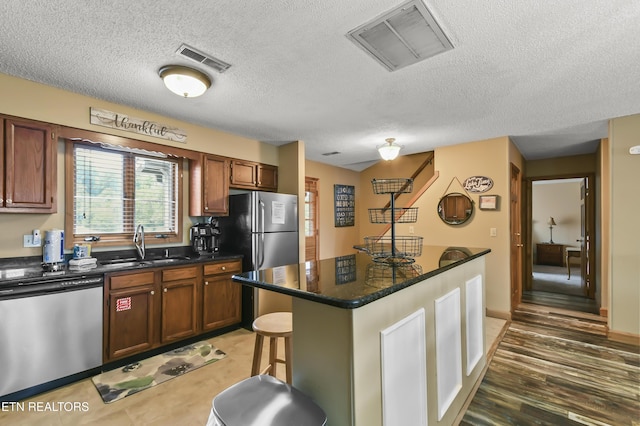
49 329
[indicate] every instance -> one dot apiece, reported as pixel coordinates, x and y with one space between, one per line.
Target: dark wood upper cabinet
209 186
252 175
28 172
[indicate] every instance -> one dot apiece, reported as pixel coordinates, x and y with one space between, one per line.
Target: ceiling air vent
201 58
402 36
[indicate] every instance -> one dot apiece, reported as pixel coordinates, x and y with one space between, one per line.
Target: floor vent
402 36
210 61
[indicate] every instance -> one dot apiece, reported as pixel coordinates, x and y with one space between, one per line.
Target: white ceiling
547 73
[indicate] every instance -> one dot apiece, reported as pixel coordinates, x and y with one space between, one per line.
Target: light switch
493 232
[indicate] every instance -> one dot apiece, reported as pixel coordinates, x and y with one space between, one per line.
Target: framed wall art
345 205
489 202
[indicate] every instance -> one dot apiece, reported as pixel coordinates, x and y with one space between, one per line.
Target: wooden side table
550 254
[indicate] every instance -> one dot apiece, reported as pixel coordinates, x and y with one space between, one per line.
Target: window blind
116 191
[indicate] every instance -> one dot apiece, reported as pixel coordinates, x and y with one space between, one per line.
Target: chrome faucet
138 240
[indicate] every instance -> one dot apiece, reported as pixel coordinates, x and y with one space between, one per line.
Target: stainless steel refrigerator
263 227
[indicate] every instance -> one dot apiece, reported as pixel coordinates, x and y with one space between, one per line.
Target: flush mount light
184 81
389 151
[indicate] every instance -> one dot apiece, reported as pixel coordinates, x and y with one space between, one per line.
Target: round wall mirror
453 255
455 208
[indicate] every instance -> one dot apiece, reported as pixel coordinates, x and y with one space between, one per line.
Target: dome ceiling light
389 151
184 81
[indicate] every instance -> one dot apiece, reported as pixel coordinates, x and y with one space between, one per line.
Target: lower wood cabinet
154 307
130 315
221 296
179 303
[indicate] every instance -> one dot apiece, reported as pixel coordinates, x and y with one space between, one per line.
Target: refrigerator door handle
261 233
261 251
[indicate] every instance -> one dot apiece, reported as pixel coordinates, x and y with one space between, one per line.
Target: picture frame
489 202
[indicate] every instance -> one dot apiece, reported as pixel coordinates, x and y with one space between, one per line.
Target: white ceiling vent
210 61
402 36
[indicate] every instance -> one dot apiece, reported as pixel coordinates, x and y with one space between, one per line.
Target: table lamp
551 224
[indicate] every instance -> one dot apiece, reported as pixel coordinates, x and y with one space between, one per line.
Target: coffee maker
205 238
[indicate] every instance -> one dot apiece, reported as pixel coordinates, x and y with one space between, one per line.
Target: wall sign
478 184
113 120
345 205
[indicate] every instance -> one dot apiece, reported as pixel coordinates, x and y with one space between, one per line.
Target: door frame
590 228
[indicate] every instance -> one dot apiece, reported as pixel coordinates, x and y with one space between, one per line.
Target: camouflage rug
132 378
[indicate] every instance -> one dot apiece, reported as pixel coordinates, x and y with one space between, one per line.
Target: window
311 218
116 189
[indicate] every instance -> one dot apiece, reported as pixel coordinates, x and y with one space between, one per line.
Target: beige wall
486 158
569 166
624 273
26 99
560 200
335 241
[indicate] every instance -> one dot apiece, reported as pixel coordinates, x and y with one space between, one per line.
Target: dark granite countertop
27 270
354 280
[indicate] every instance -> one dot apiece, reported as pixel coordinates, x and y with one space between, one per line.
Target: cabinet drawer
222 267
131 280
179 273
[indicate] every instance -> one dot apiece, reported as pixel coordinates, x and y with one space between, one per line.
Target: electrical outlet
411 230
493 232
28 241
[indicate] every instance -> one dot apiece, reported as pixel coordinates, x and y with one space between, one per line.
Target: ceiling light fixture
184 81
389 151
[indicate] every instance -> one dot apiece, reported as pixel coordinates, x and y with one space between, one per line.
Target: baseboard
623 337
604 312
498 314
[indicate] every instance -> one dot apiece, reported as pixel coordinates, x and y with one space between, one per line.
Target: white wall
559 199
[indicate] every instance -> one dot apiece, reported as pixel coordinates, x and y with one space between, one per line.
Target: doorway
560 230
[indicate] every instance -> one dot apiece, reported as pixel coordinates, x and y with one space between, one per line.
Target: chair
273 326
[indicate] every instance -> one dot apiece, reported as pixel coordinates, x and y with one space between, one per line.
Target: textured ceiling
548 73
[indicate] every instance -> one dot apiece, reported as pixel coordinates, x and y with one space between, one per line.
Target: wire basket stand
394 250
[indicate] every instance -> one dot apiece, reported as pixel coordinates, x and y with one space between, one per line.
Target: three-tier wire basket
392 249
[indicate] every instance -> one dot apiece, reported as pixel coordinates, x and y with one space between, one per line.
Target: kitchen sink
131 262
166 260
122 264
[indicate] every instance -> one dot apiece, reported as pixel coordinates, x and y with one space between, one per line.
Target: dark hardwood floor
551 287
556 367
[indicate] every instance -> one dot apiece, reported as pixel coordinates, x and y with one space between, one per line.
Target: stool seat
274 325
264 400
277 324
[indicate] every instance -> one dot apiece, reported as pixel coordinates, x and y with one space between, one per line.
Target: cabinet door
178 310
267 177
131 321
243 174
30 167
216 185
209 186
221 302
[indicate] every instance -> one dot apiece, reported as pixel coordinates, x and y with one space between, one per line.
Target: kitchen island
377 344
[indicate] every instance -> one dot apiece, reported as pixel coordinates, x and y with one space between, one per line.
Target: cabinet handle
165 290
224 268
206 283
153 292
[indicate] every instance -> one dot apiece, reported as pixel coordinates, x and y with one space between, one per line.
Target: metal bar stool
273 326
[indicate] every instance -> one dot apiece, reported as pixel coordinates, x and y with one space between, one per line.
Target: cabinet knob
153 292
224 268
165 290
206 283
9 201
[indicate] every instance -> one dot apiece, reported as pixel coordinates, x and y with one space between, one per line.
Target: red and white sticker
123 304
